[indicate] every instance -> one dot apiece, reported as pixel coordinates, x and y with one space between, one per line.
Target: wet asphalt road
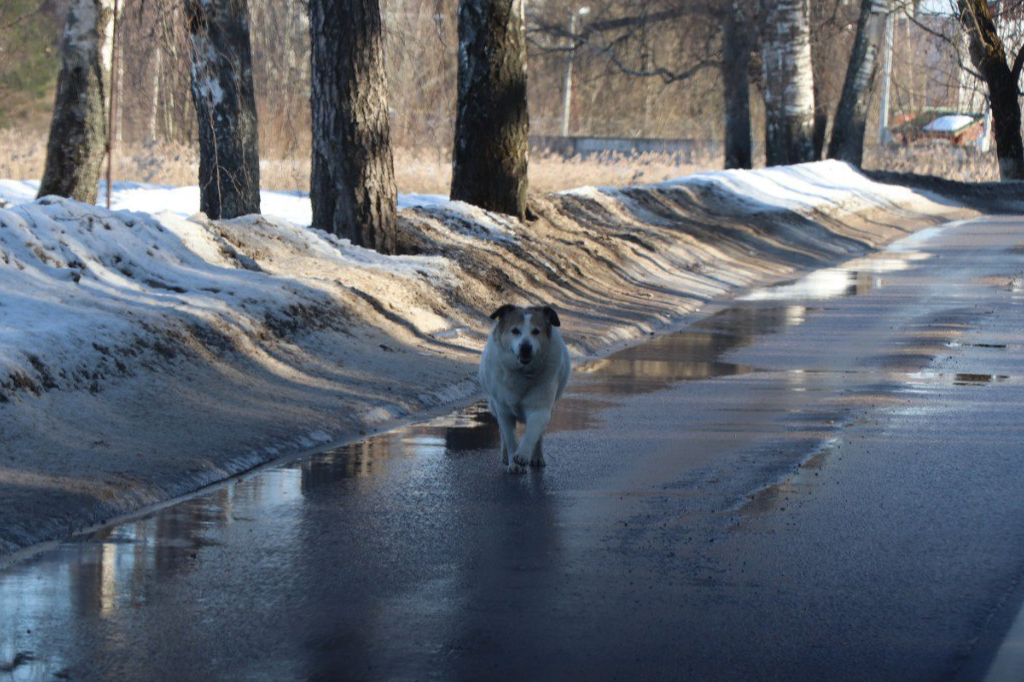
821 481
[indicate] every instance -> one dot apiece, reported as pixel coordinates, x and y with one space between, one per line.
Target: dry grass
940 159
420 171
428 171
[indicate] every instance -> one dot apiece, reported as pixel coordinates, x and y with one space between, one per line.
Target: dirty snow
78 281
828 186
184 201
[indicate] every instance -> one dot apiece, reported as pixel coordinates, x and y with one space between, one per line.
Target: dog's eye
515 331
535 332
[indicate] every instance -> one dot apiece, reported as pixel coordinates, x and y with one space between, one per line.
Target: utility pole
883 119
567 80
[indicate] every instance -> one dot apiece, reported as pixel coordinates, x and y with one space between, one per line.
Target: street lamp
567 83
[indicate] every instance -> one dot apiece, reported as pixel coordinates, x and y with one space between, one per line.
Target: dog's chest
515 387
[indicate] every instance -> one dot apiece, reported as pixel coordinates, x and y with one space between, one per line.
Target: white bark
224 98
789 82
78 132
155 111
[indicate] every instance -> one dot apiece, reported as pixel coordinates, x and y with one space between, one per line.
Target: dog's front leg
507 428
536 423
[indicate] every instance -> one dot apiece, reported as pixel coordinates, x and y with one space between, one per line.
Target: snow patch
292 206
89 293
804 188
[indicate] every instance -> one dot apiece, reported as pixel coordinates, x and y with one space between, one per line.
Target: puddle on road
853 278
820 285
962 379
931 377
962 344
692 354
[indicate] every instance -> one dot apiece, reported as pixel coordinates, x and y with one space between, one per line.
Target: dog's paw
516 468
538 462
521 460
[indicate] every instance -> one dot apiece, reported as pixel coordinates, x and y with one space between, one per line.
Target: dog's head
524 333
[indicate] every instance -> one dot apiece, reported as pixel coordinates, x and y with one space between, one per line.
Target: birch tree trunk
222 91
736 85
353 182
789 82
989 57
492 149
78 131
154 114
847 143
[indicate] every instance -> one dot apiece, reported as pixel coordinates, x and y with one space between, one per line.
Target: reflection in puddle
930 377
677 357
962 379
692 354
854 278
961 344
823 284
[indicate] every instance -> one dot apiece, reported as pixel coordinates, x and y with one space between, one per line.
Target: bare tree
988 55
847 142
789 82
491 150
78 130
736 48
222 91
352 187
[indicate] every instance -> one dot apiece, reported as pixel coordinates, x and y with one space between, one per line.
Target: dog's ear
551 316
502 311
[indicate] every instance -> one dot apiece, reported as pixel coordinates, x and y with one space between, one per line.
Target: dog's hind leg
504 449
538 454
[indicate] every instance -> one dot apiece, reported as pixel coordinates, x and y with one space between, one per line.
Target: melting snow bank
144 356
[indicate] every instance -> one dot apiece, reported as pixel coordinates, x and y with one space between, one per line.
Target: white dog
524 370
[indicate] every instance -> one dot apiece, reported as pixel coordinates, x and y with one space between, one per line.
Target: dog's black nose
525 353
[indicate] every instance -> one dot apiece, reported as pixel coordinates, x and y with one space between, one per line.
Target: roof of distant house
949 124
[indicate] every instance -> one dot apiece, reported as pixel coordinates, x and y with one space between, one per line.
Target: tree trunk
78 130
736 85
353 182
789 82
847 143
820 120
989 57
491 151
222 91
